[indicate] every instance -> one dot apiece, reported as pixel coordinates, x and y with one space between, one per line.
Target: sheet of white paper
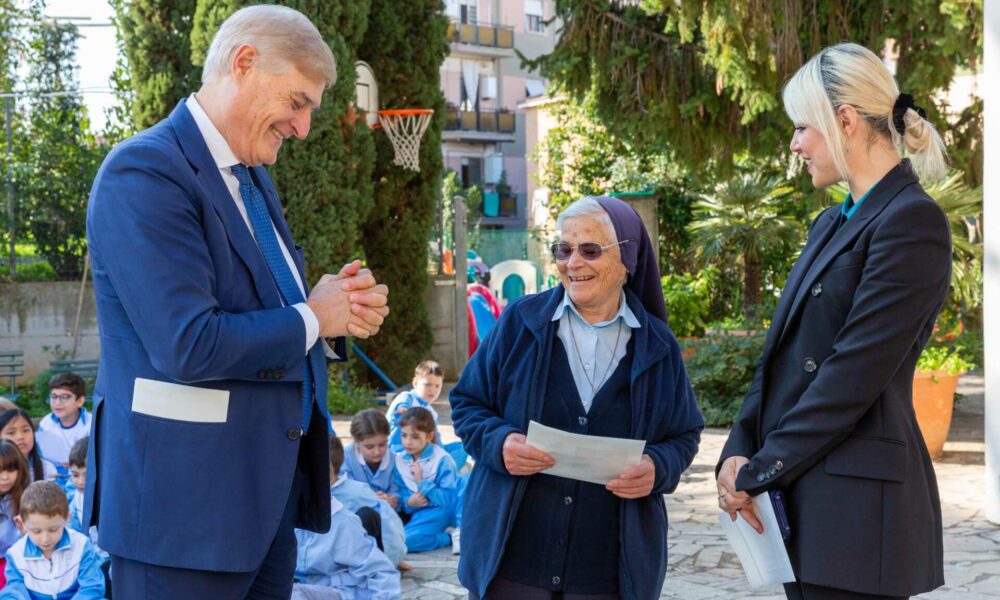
763 555
52 447
585 457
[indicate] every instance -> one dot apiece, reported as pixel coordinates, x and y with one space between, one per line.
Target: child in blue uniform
345 559
355 495
51 561
428 380
13 481
369 459
428 483
78 476
68 422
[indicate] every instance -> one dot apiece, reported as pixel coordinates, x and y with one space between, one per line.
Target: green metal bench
11 367
84 367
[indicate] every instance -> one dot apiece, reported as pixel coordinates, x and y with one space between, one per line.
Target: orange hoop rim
401 112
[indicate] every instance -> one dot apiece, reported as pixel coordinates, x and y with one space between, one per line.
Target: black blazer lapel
885 190
822 231
193 145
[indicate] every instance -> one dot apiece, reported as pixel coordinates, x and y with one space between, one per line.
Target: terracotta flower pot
933 400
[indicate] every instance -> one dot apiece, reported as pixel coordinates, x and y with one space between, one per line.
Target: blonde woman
828 419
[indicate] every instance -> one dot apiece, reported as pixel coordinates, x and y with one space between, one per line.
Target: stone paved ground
702 567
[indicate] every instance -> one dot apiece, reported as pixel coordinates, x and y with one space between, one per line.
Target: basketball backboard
367 92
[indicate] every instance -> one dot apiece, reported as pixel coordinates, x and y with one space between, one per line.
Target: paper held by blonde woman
585 457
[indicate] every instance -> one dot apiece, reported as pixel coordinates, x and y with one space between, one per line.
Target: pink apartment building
484 136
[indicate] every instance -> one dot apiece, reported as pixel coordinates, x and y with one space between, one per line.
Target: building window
533 16
469 12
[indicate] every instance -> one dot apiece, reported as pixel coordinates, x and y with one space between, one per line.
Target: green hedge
721 370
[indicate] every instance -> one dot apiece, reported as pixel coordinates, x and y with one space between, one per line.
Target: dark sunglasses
587 250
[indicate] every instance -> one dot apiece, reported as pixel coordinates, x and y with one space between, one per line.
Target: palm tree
742 219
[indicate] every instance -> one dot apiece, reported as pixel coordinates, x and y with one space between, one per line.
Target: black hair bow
903 103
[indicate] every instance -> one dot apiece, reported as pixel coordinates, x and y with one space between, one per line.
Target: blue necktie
268 242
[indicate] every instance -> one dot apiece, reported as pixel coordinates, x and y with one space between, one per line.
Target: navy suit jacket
829 417
198 402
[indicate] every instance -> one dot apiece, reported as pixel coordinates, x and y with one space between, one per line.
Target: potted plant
934 383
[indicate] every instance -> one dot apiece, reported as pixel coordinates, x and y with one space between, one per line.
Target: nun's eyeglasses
588 250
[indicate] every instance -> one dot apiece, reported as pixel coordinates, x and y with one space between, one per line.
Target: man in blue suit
210 436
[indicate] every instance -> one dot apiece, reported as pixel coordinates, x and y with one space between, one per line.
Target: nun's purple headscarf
637 255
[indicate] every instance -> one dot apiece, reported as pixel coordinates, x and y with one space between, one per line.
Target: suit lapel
885 190
193 145
823 230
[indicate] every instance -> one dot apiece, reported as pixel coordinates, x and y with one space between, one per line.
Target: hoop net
405 127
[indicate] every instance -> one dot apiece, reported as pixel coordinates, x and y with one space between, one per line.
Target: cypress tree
157 44
405 45
324 182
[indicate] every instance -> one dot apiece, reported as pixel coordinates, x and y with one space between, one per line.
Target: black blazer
829 417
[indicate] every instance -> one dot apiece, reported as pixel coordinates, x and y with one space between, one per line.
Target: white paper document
763 555
52 446
585 457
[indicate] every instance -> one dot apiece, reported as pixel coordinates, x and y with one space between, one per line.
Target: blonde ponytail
854 75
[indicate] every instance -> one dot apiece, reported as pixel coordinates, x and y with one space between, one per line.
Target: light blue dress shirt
591 349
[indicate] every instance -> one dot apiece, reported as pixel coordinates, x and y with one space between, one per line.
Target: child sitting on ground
346 558
13 481
355 495
428 380
78 475
369 459
16 426
52 561
428 483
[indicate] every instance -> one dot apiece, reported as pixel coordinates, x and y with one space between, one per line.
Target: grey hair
282 36
589 207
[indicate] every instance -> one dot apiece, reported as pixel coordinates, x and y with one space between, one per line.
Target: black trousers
372 522
807 591
505 589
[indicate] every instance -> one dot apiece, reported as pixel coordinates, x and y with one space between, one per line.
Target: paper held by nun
585 457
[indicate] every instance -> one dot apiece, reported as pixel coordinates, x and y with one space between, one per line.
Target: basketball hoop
405 127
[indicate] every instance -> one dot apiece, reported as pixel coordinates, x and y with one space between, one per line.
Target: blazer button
556 580
760 478
279 373
582 420
817 289
294 433
262 374
779 465
772 471
809 365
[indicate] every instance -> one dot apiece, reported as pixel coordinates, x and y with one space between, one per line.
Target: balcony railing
481 34
490 121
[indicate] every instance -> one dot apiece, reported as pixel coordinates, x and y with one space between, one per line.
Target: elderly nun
592 356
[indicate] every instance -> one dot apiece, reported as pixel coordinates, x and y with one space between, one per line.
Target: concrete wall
34 316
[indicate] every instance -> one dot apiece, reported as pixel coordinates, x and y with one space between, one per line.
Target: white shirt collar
219 148
624 312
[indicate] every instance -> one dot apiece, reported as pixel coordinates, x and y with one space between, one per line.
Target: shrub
347 399
689 301
944 358
721 371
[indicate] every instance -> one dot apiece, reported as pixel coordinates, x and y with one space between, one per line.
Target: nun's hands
635 482
521 459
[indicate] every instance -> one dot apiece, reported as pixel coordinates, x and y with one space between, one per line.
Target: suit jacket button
279 373
817 289
809 365
262 374
779 465
772 471
760 478
294 433
582 420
